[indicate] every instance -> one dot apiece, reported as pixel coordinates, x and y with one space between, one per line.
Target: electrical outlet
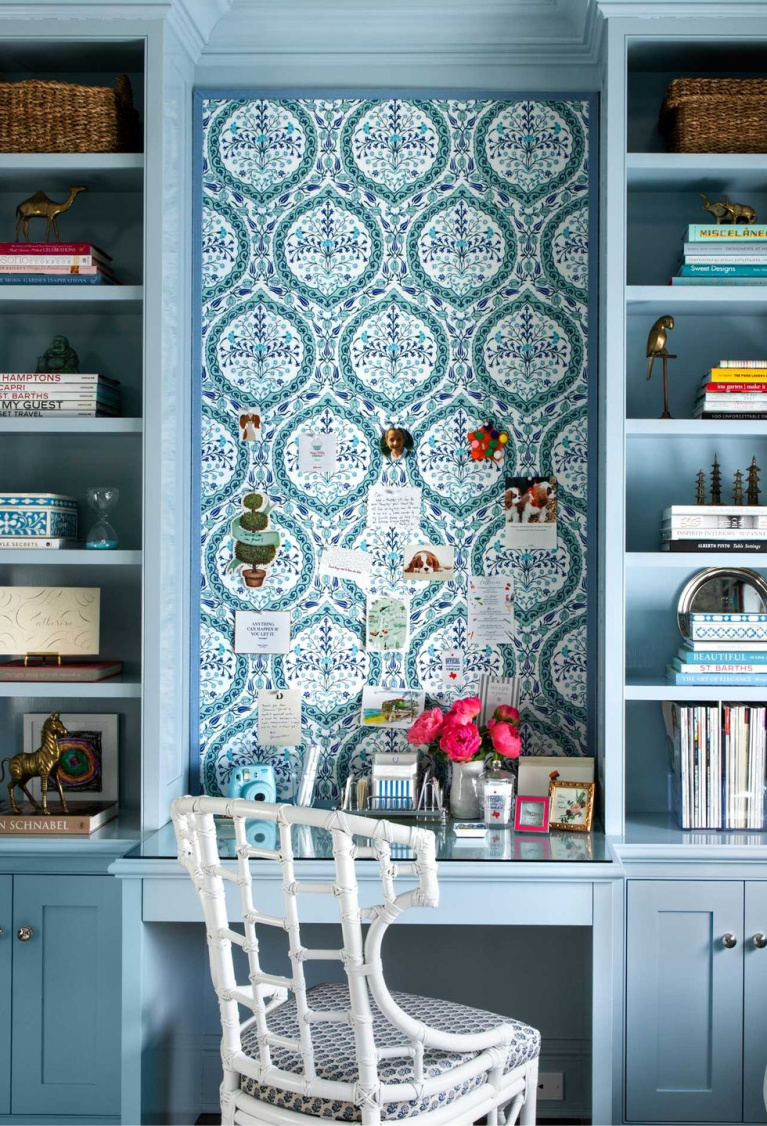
551 1086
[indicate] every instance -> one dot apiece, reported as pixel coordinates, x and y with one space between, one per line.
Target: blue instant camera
255 783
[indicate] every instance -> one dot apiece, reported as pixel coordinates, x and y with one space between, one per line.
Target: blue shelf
72 298
695 428
54 425
650 688
114 689
80 557
695 560
102 172
696 300
699 172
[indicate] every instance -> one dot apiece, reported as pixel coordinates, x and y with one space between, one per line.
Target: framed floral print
572 805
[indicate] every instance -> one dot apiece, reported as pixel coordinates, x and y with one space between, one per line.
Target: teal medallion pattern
374 263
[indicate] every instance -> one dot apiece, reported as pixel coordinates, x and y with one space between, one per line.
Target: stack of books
42 394
734 389
54 263
727 254
722 649
719 764
714 527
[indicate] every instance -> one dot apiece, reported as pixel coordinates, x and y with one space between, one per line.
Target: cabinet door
66 996
6 949
755 1001
684 1001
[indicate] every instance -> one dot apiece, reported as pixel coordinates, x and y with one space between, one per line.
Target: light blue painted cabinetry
65 1007
6 921
696 986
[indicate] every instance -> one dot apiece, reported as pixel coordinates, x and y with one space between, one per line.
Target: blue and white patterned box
38 514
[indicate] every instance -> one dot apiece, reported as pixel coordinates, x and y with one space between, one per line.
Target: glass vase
465 790
102 536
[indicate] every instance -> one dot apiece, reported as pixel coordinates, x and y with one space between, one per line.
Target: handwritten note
491 609
394 506
266 631
279 717
317 453
346 563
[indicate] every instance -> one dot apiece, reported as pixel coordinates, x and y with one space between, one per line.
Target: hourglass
102 500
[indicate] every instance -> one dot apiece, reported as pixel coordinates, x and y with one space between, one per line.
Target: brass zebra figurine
42 763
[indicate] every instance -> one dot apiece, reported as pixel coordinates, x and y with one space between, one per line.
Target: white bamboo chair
352 1052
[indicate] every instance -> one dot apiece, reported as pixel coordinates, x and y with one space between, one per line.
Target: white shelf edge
694 560
71 425
116 688
694 428
80 557
651 689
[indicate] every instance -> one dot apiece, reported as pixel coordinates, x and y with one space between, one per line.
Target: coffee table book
82 819
84 671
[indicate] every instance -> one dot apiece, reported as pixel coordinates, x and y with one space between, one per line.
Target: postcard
452 668
317 453
279 717
55 619
431 562
261 631
346 563
491 609
391 707
394 506
531 512
388 623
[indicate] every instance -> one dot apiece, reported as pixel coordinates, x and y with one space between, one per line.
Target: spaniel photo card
531 512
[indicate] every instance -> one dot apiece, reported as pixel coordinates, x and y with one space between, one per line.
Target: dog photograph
530 505
430 562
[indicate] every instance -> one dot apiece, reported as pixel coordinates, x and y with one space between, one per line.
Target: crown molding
453 32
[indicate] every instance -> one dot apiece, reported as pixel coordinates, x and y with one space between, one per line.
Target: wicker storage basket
64 117
715 115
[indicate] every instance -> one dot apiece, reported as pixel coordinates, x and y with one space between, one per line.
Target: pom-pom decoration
487 443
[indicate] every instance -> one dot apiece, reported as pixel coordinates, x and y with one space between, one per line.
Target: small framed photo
531 814
88 764
572 805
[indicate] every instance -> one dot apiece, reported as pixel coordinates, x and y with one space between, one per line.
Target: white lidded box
728 627
38 514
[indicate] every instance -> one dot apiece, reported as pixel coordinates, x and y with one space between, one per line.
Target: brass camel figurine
42 763
657 339
39 206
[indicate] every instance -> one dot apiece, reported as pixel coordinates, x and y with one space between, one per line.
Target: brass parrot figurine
657 339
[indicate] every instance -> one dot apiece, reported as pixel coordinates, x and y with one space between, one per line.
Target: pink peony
506 739
460 741
464 711
507 714
426 728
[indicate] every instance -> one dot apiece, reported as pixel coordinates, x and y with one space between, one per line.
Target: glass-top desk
499 844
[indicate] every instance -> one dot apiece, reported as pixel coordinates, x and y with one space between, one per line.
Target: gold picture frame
569 810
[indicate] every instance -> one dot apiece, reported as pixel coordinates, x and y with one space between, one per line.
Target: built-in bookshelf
649 463
107 328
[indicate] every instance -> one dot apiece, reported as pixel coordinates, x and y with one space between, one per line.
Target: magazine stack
714 527
718 754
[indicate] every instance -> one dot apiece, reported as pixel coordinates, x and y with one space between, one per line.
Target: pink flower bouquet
456 735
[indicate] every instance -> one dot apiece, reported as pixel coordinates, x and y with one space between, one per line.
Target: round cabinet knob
729 940
24 934
759 940
1 932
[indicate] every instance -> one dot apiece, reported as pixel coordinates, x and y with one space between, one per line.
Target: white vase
465 790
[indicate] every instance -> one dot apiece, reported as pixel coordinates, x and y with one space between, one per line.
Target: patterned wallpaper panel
412 263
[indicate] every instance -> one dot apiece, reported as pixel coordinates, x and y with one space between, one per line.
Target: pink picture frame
531 814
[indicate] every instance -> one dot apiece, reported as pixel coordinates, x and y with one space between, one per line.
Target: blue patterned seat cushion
335 1056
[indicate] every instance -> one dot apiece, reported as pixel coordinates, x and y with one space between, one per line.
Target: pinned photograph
250 425
391 707
396 443
432 562
530 505
388 620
